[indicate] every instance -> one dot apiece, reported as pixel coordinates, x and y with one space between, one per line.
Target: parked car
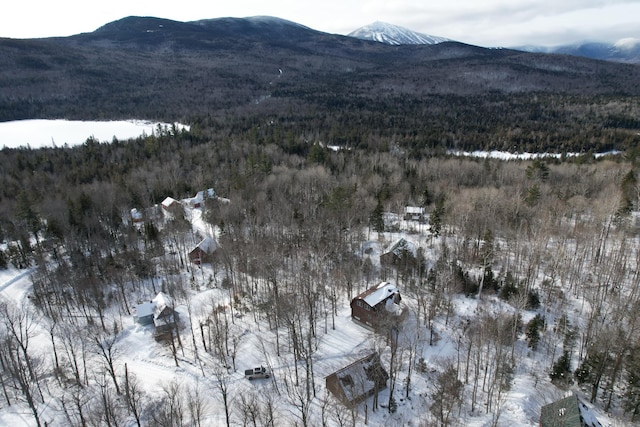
254 373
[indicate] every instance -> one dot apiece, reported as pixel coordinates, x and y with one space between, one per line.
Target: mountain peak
627 43
384 32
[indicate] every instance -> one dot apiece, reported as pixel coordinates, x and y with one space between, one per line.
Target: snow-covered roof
208 245
564 412
378 293
169 201
400 245
361 377
154 307
414 210
145 309
136 214
209 193
162 300
201 196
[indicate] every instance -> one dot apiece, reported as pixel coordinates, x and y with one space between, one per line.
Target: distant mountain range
624 50
166 70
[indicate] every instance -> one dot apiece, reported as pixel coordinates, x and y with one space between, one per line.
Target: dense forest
527 268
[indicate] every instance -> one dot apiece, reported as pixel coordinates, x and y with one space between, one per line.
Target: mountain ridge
168 70
625 50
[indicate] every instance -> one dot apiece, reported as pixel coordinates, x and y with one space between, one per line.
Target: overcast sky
488 23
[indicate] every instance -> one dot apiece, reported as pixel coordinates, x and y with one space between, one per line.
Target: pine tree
376 218
561 371
435 220
533 331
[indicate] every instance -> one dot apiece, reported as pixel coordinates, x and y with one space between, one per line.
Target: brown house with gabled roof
359 380
376 304
204 251
171 207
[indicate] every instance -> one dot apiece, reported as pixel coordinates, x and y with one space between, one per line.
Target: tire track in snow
15 279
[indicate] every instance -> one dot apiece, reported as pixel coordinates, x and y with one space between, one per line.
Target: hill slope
168 69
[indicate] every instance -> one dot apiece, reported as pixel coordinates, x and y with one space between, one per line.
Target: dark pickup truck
254 373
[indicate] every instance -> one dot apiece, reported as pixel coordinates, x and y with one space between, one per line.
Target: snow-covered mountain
624 50
393 35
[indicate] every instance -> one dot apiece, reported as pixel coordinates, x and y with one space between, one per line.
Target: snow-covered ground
504 155
48 133
154 367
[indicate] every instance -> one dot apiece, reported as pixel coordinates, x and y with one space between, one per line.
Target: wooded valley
523 285
550 237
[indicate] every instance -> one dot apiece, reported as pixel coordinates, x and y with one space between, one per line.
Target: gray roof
145 309
562 413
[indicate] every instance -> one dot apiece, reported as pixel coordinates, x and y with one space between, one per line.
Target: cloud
508 23
486 23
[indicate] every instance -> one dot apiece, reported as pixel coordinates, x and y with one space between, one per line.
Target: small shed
414 213
203 252
376 304
359 380
136 216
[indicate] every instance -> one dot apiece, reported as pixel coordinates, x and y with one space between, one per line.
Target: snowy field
49 133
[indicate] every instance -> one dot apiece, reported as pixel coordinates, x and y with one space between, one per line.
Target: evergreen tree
377 218
561 370
534 327
538 170
436 217
533 195
27 213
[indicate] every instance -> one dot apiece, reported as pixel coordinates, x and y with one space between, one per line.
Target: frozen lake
47 133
